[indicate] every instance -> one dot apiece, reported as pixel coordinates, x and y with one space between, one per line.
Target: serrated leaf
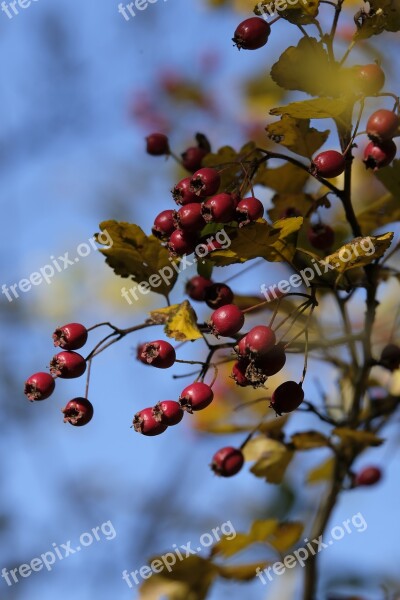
324 472
380 212
317 108
138 256
362 439
308 440
272 458
359 252
180 321
383 15
297 135
287 179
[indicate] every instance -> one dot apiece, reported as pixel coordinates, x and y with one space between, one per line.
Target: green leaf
180 321
138 256
324 472
359 252
287 179
317 108
383 15
205 268
308 440
297 135
272 458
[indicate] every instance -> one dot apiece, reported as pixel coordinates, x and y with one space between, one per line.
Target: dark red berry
368 476
272 362
159 354
71 336
205 182
379 155
67 365
39 386
321 236
196 396
227 461
390 357
369 79
251 34
168 412
218 294
146 423
241 348
192 157
189 218
239 372
196 287
287 397
260 340
182 194
328 164
157 144
249 210
219 209
383 125
182 242
227 320
78 412
164 224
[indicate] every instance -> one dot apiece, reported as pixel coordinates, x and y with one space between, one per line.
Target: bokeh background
80 89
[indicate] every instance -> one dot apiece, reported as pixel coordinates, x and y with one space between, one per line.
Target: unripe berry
219 209
205 182
272 362
383 125
159 354
379 155
168 412
260 340
251 34
192 158
287 397
164 225
218 294
189 217
196 287
239 373
67 365
196 396
227 462
328 164
145 422
70 337
369 79
226 321
157 144
182 194
249 210
78 412
182 242
39 386
390 357
368 476
321 236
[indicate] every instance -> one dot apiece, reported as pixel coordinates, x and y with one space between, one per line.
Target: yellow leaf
380 212
297 135
317 108
259 532
287 179
286 535
359 252
309 440
180 321
272 458
240 572
324 472
357 438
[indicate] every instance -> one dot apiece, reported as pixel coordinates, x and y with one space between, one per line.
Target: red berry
321 236
328 164
369 79
157 144
219 209
71 336
67 365
182 242
227 320
227 462
218 294
196 396
189 217
378 155
383 125
239 373
196 287
78 412
168 412
248 210
390 357
145 422
241 347
192 157
182 194
272 362
368 476
205 182
39 386
164 224
251 34
260 340
287 397
159 354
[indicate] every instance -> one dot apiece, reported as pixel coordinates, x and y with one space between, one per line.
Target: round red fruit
182 194
78 412
383 125
168 412
227 320
227 462
145 422
67 365
217 295
249 210
192 157
368 476
260 340
287 397
328 164
196 396
369 79
189 217
379 155
157 144
219 209
239 373
321 236
164 224
159 354
39 386
196 287
251 34
70 337
182 242
272 362
205 182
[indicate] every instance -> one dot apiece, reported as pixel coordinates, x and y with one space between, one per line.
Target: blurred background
81 88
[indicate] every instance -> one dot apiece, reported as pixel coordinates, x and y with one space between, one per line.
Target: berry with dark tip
196 287
383 125
181 193
369 79
379 155
368 476
251 34
39 386
189 217
272 362
239 372
67 365
390 357
249 210
219 209
182 242
78 412
205 182
157 144
146 423
328 164
196 396
287 397
159 354
70 337
164 224
192 158
217 295
168 412
227 461
226 321
321 236
260 340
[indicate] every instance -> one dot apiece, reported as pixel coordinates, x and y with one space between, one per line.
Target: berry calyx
379 155
168 412
181 193
197 286
196 396
192 158
78 412
217 295
159 354
287 397
251 34
146 423
219 209
226 321
390 357
368 476
164 224
70 337
39 386
272 362
383 125
328 164
239 373
157 144
321 236
205 182
249 210
189 217
67 365
227 461
369 79
260 340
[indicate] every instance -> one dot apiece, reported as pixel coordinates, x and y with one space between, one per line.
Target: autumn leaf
287 179
308 440
362 439
323 472
317 108
297 135
383 15
180 321
380 212
272 458
234 164
302 12
359 252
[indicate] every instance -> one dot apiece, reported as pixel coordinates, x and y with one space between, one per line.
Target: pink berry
379 155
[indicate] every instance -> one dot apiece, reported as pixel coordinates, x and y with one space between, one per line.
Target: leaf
240 572
233 171
259 532
205 268
287 179
302 12
324 472
272 458
261 240
317 108
136 255
380 212
390 177
359 252
383 15
180 321
297 135
286 535
364 439
308 440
